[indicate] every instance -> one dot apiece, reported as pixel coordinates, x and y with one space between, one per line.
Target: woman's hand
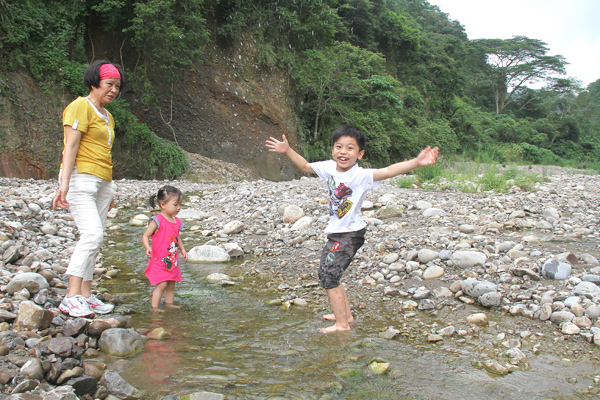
60 199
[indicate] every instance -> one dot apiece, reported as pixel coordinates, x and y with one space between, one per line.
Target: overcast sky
571 28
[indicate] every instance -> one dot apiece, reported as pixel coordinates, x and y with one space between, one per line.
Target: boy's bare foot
334 328
156 309
171 305
331 317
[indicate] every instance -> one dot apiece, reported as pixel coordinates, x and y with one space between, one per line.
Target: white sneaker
76 306
98 306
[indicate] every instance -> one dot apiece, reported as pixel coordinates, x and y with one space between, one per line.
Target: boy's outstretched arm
427 156
284 147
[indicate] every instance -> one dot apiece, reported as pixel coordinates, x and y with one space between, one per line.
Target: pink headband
109 71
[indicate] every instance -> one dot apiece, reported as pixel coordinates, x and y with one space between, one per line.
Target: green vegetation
469 178
399 69
162 159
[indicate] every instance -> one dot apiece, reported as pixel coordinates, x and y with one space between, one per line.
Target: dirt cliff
224 108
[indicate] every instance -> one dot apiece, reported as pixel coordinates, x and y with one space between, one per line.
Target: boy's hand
428 156
278 146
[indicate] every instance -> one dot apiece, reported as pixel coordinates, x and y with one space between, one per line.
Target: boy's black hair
91 75
353 132
163 194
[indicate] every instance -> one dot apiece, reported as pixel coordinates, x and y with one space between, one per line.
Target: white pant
89 199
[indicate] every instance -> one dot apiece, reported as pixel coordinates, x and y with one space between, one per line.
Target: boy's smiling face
345 152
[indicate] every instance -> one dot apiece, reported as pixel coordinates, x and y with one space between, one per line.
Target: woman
85 181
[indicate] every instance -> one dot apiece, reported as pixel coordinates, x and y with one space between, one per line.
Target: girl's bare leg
157 294
170 295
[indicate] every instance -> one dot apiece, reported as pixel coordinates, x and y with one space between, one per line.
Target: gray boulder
586 289
117 386
553 269
29 280
468 259
120 342
208 253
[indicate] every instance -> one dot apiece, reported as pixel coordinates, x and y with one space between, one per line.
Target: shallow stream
225 340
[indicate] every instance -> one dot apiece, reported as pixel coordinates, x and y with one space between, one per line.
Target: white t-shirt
347 190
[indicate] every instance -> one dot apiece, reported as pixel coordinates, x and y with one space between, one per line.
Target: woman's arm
72 140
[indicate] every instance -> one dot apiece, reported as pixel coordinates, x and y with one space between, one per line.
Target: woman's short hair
91 75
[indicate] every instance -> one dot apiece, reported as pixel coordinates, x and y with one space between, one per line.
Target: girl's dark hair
91 75
163 194
352 131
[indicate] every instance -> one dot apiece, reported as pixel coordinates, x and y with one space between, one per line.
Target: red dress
164 264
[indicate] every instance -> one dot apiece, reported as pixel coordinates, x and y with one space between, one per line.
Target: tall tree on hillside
331 76
515 62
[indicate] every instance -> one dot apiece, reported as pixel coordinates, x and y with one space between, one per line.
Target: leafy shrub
404 182
430 172
537 155
155 157
492 179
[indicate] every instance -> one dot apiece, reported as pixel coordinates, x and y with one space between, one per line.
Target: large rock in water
120 342
119 387
208 253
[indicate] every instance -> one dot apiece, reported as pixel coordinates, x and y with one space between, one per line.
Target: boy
347 184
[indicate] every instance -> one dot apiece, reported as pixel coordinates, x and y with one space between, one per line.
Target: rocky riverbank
515 275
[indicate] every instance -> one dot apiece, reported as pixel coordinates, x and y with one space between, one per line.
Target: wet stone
73 327
120 342
96 327
203 396
61 346
83 385
119 387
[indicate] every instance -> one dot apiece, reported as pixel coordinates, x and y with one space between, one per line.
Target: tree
332 75
515 62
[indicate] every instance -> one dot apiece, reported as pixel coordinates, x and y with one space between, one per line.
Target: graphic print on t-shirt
170 260
338 198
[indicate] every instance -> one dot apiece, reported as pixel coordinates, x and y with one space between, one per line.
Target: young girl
163 267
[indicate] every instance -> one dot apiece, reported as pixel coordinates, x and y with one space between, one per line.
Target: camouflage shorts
337 255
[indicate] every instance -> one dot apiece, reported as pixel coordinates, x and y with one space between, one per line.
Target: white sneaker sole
66 311
101 312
